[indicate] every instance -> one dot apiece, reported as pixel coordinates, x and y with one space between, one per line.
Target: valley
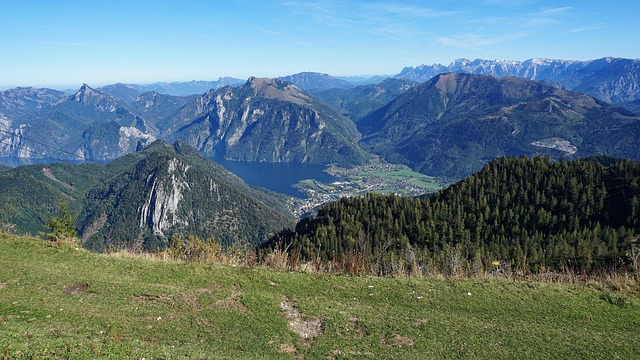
378 177
320 180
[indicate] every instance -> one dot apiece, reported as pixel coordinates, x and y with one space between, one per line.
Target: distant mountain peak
277 89
260 83
314 81
459 62
84 93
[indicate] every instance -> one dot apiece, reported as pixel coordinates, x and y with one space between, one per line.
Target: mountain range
128 92
262 120
447 125
614 80
455 123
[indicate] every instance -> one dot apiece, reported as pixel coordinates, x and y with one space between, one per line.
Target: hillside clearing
59 302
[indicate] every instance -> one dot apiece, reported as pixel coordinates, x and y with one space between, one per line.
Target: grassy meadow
57 301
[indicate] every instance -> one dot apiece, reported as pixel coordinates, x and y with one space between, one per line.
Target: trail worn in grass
67 303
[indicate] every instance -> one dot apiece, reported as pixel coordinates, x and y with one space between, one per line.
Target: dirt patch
420 322
2 285
75 289
396 341
353 329
307 329
232 302
147 297
287 349
95 226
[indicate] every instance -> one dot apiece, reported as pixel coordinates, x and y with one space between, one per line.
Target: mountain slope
87 125
24 100
190 87
169 190
265 120
30 195
124 92
455 123
313 81
155 107
142 199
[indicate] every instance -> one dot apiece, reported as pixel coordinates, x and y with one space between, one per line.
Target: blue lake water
15 162
278 177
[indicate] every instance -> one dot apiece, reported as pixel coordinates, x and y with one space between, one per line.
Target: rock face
87 125
454 123
613 80
159 211
265 120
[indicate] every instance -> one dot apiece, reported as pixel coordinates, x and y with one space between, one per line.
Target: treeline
531 214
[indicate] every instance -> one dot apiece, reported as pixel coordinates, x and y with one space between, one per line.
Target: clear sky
65 43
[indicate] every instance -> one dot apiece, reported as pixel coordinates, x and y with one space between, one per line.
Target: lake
15 162
278 177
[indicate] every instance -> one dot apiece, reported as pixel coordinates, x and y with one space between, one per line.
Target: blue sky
66 43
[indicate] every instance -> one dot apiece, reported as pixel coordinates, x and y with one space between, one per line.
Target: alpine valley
135 191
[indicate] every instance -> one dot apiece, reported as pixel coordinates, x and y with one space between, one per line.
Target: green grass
405 174
139 307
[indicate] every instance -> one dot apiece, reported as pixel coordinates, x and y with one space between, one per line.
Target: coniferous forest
529 214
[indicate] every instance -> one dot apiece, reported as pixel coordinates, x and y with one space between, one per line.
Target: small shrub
7 228
63 226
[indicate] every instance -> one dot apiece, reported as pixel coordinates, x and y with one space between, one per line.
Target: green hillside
60 302
30 195
142 200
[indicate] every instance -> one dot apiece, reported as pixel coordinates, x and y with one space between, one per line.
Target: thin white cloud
217 27
587 28
548 11
410 11
475 41
286 36
63 43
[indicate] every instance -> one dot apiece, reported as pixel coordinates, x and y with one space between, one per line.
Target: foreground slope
65 303
455 123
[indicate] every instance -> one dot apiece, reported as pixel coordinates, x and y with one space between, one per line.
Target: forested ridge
531 213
